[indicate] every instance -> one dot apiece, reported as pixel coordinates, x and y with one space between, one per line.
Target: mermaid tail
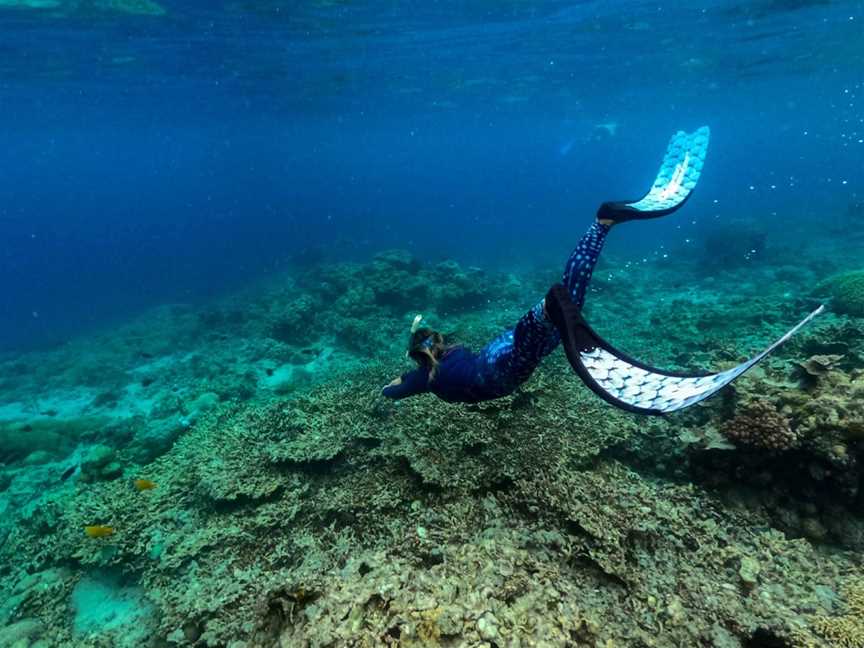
679 172
628 383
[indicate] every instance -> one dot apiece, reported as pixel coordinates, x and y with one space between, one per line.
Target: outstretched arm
408 384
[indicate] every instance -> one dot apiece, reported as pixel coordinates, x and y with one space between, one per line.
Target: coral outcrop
846 291
760 425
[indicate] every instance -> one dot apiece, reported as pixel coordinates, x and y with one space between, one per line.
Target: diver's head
426 347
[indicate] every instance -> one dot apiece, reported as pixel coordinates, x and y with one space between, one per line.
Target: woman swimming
455 374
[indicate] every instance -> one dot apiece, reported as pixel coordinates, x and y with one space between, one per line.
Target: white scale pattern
661 392
679 172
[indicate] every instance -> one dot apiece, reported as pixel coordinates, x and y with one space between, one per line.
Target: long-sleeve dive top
495 371
462 376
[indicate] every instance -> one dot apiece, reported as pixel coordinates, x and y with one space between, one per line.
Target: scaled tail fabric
679 172
628 383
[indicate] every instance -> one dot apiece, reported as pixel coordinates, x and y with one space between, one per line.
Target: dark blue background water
152 159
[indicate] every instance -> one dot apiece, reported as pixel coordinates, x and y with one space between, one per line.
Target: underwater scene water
221 219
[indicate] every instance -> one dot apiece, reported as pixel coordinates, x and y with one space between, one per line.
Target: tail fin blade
679 172
632 385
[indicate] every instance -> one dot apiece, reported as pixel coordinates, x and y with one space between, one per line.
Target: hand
393 383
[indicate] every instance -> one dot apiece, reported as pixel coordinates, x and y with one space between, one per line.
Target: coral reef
355 536
288 504
846 291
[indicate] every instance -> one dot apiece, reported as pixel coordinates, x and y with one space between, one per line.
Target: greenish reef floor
294 507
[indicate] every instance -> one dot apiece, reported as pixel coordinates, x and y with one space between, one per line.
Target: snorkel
418 319
424 344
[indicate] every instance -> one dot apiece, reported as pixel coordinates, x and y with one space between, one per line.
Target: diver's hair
426 348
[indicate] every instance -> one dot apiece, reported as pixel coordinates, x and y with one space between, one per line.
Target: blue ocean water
153 157
219 220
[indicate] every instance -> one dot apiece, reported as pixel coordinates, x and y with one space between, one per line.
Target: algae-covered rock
37 457
156 437
846 291
203 403
96 457
395 259
28 591
21 633
99 464
295 322
56 436
749 571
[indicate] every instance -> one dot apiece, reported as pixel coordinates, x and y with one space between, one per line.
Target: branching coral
845 630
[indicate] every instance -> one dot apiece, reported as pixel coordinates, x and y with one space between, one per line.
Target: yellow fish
98 531
144 484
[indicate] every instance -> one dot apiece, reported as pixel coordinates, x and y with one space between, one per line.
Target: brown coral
760 425
819 365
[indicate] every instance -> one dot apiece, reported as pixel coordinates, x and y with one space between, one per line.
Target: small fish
68 472
98 531
144 484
